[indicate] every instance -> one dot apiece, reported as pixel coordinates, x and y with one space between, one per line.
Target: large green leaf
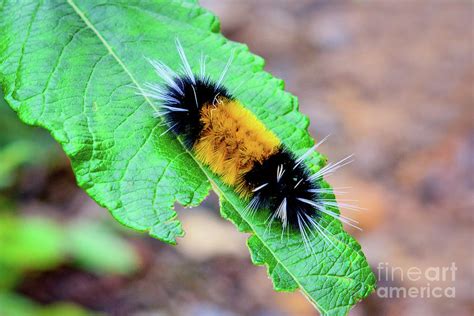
74 67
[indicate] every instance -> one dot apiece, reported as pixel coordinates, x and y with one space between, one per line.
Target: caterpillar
234 144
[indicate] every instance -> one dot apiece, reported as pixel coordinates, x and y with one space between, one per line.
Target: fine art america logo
431 282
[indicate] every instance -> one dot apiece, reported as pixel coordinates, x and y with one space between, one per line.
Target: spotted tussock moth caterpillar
233 143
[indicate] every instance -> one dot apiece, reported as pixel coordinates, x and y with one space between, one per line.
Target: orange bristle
232 140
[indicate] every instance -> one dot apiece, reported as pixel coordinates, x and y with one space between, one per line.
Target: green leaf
95 247
29 243
73 67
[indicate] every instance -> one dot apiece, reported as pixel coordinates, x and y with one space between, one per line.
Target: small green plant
37 244
74 67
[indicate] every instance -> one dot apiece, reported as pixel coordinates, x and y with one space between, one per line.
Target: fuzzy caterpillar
230 140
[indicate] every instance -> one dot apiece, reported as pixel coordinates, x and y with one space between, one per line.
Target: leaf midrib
109 49
88 23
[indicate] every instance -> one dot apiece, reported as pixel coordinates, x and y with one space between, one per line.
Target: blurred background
391 81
